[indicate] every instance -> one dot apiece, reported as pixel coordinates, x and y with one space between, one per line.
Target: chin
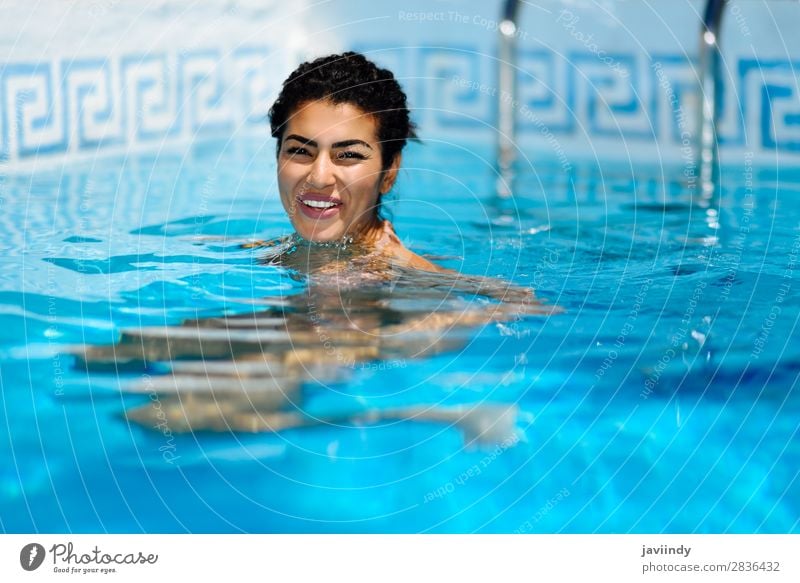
317 235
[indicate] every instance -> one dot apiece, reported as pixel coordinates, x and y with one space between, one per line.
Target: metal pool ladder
507 96
709 87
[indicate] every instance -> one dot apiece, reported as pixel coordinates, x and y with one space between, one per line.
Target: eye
297 151
350 155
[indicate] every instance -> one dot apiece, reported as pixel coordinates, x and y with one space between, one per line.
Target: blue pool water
662 398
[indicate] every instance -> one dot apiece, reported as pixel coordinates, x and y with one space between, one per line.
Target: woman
341 124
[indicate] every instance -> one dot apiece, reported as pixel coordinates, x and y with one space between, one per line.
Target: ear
390 174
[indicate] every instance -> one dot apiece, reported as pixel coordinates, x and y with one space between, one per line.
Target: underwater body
161 373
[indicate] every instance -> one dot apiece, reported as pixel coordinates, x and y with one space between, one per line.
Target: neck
365 234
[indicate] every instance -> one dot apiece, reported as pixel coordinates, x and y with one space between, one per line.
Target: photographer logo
31 556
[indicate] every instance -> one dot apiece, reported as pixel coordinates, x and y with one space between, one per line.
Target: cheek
366 182
283 186
287 179
285 192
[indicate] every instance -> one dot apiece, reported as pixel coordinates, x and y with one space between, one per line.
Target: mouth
318 206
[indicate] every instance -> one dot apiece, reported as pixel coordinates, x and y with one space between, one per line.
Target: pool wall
611 79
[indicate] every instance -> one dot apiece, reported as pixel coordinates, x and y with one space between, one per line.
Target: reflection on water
626 251
246 372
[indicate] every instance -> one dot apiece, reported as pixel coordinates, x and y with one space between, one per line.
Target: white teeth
319 204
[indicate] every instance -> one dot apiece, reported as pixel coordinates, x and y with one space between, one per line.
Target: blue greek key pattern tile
33 120
91 104
447 103
640 98
674 98
543 89
772 85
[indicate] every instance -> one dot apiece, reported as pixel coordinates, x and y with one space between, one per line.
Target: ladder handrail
507 96
709 86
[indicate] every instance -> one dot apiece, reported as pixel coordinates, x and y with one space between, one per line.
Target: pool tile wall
610 79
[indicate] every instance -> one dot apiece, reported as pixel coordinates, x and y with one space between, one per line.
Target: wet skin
252 372
330 174
370 302
331 179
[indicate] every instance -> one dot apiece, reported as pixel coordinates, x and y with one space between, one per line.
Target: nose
321 175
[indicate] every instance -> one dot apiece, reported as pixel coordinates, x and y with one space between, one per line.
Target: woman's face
329 170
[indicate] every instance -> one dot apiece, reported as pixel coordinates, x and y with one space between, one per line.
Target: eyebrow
342 144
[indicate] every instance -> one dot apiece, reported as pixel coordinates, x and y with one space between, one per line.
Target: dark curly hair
348 78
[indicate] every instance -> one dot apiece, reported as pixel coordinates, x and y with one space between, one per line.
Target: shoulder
389 244
266 244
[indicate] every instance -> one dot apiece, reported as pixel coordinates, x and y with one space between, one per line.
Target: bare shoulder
511 296
390 245
260 243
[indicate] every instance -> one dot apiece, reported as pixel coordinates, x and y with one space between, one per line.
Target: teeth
319 204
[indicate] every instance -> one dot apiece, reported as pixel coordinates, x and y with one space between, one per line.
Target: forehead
326 122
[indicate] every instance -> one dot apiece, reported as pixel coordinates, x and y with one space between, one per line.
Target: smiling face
329 171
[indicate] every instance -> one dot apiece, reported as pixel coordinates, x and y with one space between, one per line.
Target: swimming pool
661 399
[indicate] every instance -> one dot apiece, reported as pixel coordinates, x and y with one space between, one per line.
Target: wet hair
348 78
